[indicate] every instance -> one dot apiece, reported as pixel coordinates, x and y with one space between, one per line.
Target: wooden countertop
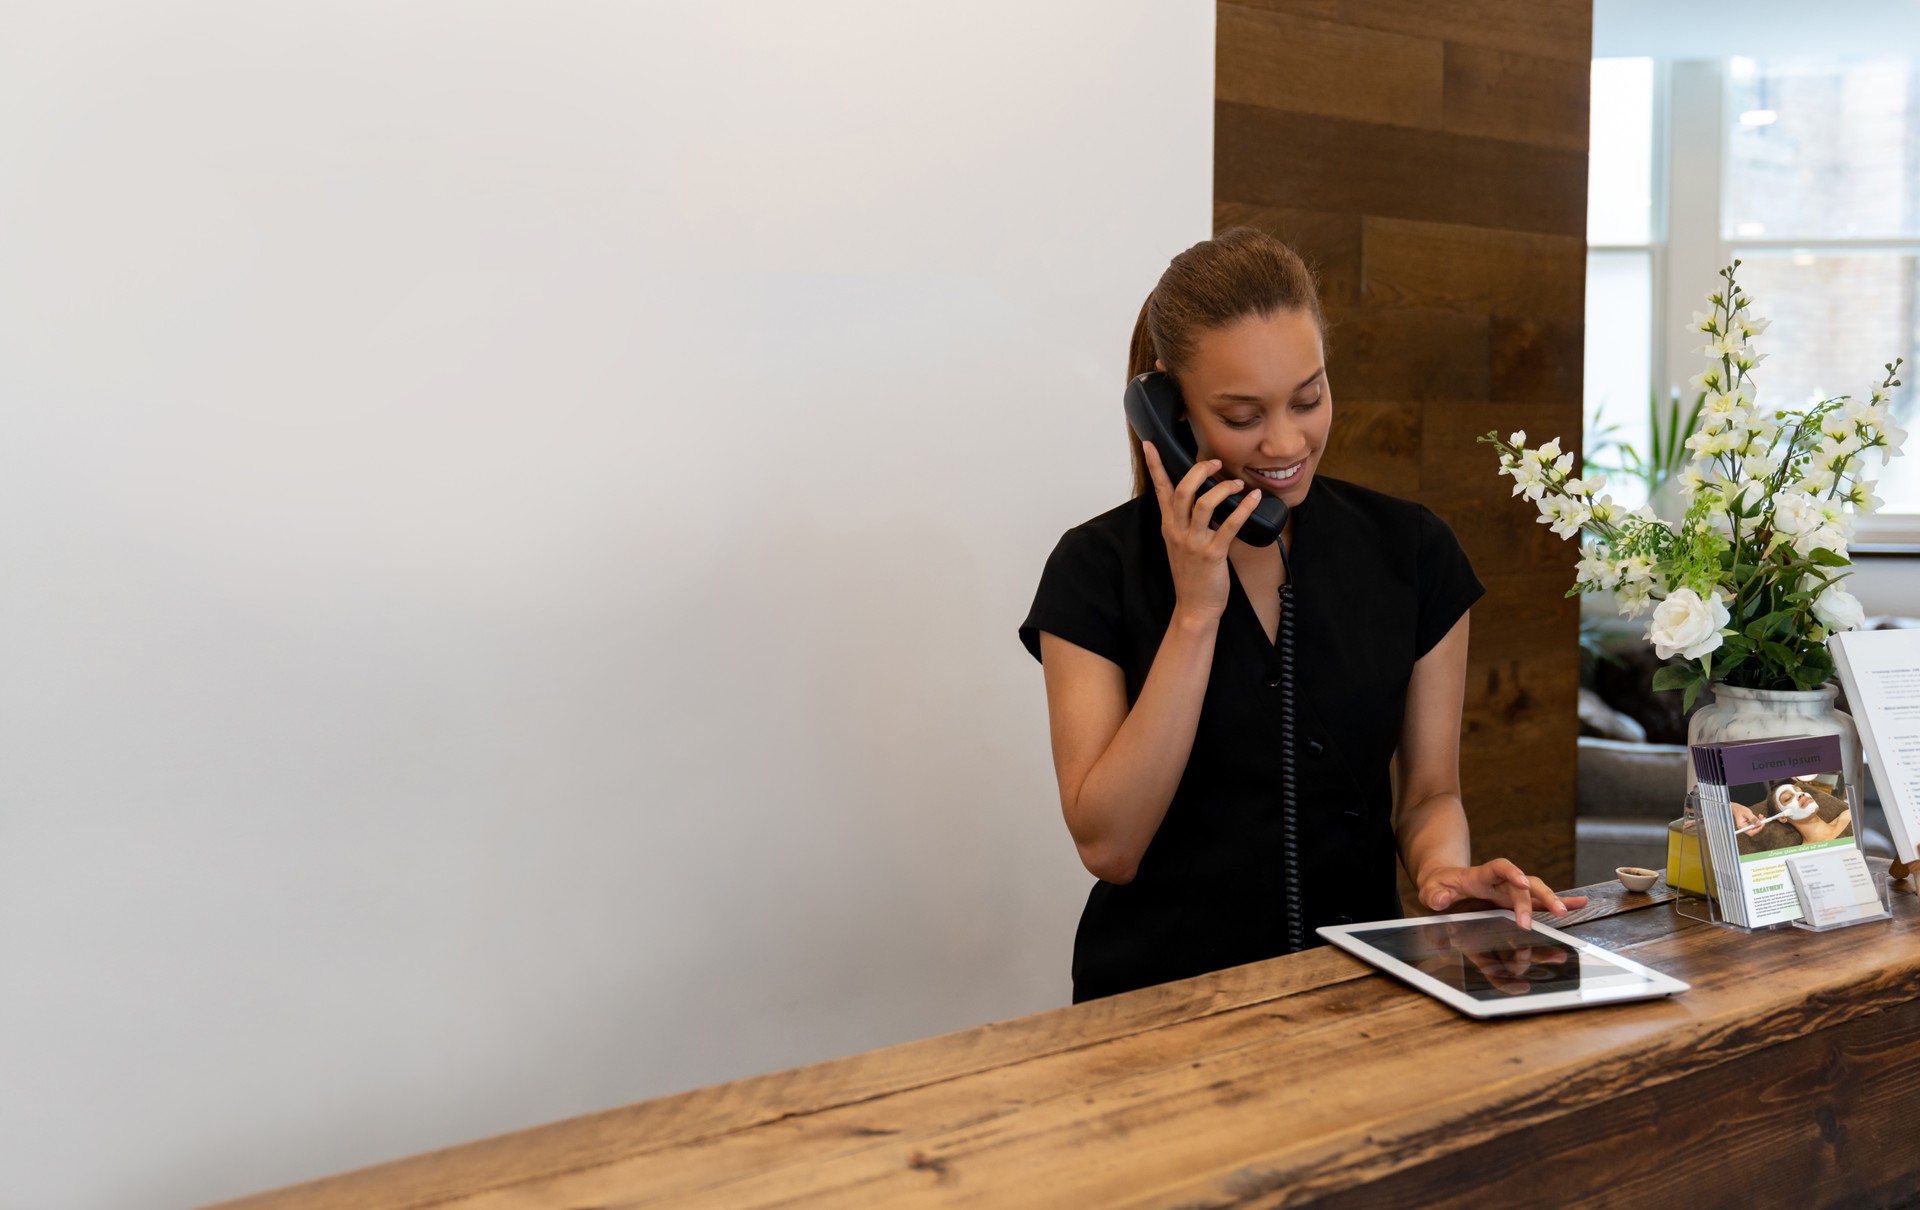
1308 1078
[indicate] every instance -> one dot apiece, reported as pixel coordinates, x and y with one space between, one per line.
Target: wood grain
1473 269
1376 445
1506 95
1407 355
1307 162
1278 1083
1555 29
1536 359
1404 88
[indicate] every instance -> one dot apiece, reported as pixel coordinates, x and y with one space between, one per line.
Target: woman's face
1257 398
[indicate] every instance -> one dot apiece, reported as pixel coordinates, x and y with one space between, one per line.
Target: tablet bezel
1352 939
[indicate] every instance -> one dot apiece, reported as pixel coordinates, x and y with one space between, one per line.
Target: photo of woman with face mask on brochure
1792 812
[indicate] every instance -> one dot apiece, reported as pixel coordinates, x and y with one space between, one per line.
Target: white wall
513 521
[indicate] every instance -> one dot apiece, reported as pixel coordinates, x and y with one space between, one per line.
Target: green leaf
1781 654
1758 628
1676 676
1827 558
1693 691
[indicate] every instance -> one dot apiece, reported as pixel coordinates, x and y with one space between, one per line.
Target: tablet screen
1492 958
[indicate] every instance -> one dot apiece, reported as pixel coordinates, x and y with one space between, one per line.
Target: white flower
1817 479
1634 597
1604 509
1563 514
1759 466
1896 437
1827 537
1706 380
1839 609
1596 568
1728 344
1862 497
1691 480
1636 569
1517 439
1794 513
1702 321
1529 477
1686 626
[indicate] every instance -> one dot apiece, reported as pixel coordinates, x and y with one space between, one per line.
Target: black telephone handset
1155 411
1156 414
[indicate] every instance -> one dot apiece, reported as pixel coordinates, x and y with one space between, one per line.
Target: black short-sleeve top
1377 582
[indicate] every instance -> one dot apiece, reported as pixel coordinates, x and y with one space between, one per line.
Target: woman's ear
1159 365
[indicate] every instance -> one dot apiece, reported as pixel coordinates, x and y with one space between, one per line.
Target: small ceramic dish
1636 879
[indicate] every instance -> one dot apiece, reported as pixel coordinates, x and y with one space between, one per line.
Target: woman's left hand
1496 883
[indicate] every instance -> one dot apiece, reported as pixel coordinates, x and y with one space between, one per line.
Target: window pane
1823 150
1619 361
1620 162
1837 319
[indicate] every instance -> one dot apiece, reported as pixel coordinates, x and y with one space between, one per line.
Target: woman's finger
1223 537
1189 487
1543 895
1156 471
1522 900
1202 516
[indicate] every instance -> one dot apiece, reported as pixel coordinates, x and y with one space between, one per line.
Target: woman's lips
1275 478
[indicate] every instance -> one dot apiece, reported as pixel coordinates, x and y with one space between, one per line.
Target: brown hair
1240 272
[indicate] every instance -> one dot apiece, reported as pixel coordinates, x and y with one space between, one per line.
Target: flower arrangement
1746 587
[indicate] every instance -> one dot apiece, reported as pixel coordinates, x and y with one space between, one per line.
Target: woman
1157 636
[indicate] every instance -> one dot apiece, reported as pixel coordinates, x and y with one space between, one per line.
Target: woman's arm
1118 768
1429 821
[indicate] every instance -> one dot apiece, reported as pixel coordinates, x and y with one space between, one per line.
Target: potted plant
1744 589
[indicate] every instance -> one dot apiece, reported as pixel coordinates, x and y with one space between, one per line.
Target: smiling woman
1159 636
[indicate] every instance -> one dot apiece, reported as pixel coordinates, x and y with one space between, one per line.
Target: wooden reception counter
1790 1073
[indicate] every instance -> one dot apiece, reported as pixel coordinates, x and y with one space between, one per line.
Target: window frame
1687 246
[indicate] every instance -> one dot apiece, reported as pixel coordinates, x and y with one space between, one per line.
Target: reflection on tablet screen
1492 959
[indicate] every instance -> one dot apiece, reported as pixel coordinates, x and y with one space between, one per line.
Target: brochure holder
1881 879
1706 908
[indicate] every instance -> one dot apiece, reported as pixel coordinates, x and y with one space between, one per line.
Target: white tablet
1486 965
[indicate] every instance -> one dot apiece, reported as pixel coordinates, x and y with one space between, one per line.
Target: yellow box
1684 871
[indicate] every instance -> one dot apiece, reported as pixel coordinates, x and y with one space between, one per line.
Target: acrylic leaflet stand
1706 908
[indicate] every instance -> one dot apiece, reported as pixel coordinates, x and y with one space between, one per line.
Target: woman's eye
1308 405
1243 424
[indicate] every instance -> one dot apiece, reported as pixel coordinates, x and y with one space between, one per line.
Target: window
1809 172
1821 203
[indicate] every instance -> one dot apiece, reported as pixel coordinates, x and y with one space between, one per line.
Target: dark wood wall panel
1430 161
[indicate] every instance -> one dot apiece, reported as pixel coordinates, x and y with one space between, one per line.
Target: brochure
1880 670
1763 802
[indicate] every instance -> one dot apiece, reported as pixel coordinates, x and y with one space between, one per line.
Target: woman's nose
1282 441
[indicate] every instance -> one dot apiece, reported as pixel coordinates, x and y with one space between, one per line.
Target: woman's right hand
1197 551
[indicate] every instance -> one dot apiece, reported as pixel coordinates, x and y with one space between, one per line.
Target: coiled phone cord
1289 831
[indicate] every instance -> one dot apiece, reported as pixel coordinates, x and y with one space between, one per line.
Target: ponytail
1140 359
